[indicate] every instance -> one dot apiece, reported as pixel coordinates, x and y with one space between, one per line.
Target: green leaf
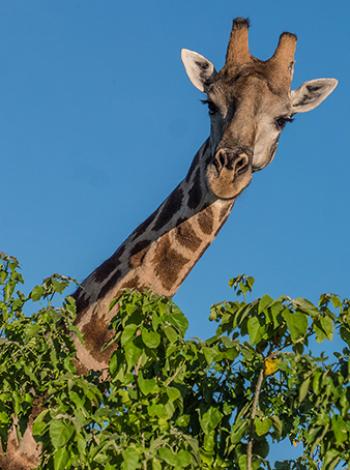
173 393
339 428
156 465
128 333
323 328
37 293
210 419
316 382
264 302
61 459
345 334
327 326
4 418
242 462
337 303
168 456
277 424
60 432
183 421
39 424
261 448
170 333
131 459
113 364
178 320
262 426
306 306
210 354
147 386
183 458
304 388
150 338
158 410
255 330
132 354
297 324
320 334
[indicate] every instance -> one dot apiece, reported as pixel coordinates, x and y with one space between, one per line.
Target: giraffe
249 102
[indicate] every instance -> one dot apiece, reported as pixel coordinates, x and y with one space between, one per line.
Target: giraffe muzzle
237 161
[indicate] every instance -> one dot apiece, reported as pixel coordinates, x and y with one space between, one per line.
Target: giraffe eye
281 121
212 108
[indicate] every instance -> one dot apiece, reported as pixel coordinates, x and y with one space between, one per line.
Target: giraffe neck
158 255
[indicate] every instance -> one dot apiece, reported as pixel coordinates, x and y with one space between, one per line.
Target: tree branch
252 417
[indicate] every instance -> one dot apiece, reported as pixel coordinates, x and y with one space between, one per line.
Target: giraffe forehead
253 82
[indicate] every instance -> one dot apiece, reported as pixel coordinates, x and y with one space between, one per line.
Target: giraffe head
250 101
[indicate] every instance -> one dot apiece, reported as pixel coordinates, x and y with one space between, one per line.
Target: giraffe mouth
229 172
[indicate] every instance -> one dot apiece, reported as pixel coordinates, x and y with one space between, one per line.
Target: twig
252 416
173 377
138 365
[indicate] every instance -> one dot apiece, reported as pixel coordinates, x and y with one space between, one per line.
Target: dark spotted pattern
141 229
109 284
96 334
168 263
186 236
206 220
171 206
109 265
81 299
195 193
133 283
138 252
195 162
224 213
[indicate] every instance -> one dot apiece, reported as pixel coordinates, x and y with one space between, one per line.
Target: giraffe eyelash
281 121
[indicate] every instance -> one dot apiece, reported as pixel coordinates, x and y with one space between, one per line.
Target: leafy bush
175 403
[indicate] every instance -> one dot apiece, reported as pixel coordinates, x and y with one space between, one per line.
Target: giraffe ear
312 93
198 68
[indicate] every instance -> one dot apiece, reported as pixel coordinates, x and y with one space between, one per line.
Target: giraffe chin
227 184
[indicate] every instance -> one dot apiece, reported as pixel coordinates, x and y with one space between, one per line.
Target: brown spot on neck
138 252
225 212
186 236
167 264
133 283
206 220
96 334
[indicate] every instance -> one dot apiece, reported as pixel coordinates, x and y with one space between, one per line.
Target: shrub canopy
170 402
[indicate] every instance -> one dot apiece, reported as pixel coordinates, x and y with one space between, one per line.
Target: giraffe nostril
241 164
234 160
222 159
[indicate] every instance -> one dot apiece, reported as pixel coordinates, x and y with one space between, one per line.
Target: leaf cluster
170 402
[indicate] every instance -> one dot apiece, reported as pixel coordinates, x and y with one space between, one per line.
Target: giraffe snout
235 160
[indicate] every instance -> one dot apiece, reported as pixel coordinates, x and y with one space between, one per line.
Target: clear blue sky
98 123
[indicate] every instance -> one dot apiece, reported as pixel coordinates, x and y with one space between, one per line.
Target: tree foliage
170 402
